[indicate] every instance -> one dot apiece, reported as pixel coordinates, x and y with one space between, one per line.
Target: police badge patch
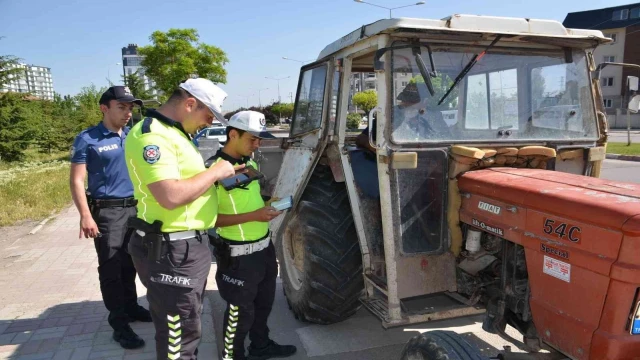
72 151
151 154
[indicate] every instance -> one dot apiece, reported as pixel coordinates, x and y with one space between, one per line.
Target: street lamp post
259 97
278 80
384 7
247 96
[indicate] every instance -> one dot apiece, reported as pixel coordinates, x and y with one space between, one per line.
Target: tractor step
422 309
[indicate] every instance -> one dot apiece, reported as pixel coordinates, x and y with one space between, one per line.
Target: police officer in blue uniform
105 207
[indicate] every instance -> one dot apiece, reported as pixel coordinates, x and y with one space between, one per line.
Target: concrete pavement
50 303
628 171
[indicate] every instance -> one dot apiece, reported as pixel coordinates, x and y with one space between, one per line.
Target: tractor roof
520 28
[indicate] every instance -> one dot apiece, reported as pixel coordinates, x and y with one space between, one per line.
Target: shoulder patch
72 151
151 154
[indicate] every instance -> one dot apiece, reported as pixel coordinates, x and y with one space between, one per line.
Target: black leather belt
109 203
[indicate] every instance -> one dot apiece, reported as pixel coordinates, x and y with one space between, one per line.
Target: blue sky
81 40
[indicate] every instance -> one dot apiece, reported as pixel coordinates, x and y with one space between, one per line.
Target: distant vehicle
215 132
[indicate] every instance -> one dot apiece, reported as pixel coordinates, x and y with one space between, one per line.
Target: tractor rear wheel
319 253
440 345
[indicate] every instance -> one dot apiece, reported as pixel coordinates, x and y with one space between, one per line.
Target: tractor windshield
506 96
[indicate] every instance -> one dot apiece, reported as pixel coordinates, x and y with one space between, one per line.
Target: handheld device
242 177
283 204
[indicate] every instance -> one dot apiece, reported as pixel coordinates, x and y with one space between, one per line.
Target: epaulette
146 125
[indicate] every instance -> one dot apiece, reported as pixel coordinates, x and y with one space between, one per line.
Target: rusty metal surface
426 274
295 167
335 164
615 202
572 229
437 315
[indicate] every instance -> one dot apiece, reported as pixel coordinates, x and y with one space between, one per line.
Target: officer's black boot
271 350
127 338
138 313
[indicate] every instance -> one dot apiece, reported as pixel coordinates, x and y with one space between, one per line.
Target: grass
34 195
33 155
34 189
623 149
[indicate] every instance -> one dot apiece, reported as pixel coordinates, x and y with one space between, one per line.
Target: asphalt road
627 171
620 136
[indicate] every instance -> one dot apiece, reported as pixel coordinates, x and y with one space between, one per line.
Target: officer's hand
266 214
88 227
224 169
273 199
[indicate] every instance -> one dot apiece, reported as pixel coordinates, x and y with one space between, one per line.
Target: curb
623 157
40 225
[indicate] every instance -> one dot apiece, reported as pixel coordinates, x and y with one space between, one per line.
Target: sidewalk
50 302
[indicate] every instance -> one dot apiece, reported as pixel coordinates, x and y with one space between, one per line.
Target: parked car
216 132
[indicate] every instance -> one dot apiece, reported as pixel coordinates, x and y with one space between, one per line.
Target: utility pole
632 87
278 80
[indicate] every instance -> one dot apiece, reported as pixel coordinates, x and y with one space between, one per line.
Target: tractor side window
494 106
310 100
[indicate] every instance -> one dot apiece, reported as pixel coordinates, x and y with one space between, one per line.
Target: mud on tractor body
481 194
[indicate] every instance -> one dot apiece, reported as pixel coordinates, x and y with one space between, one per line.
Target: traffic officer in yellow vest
247 267
177 203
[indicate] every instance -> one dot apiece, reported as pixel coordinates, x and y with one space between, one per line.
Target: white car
217 132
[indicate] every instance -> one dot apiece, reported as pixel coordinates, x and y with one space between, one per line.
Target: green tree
87 111
18 113
353 120
56 130
177 55
441 84
7 70
366 100
283 109
135 82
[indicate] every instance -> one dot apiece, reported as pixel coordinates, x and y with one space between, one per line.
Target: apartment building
132 64
33 79
622 25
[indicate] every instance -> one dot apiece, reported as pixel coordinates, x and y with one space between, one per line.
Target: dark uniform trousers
248 286
115 269
175 289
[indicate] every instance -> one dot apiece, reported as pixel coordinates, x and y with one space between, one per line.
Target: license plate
635 322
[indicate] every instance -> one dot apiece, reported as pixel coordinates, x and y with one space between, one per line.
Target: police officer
105 207
177 203
247 277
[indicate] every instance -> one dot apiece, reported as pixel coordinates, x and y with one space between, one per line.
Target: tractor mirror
404 160
634 104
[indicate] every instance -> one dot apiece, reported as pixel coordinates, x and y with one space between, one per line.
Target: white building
619 23
33 79
132 64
